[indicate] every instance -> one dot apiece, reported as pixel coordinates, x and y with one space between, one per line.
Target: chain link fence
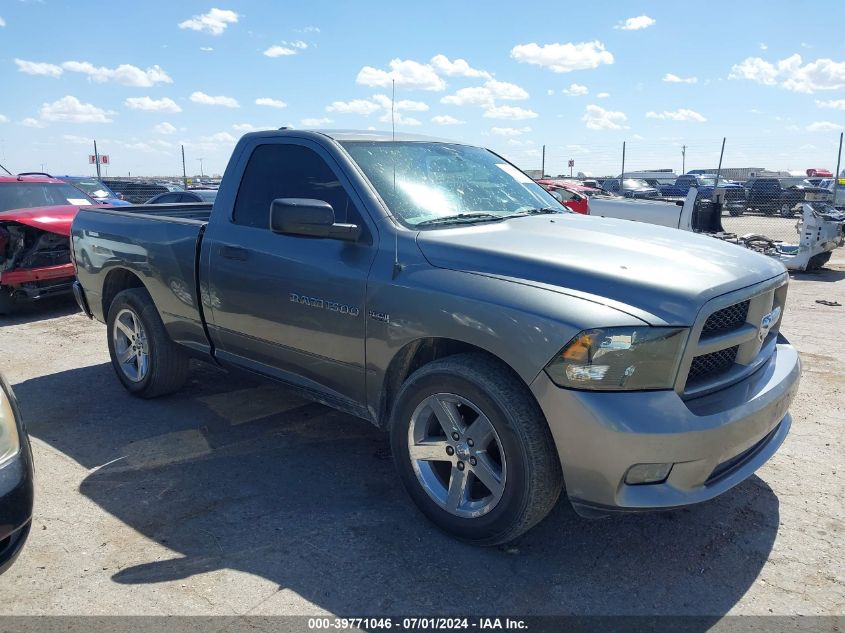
762 182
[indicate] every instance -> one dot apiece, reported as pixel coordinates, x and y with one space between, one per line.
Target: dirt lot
232 497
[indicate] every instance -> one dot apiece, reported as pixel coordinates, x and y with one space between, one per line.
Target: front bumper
713 442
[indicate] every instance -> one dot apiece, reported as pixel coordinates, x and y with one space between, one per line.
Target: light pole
683 159
202 175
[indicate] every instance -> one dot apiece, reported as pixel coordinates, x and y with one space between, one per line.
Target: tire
155 365
8 303
818 261
515 454
786 211
735 213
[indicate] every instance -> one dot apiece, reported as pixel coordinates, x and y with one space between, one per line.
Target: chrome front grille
727 341
726 319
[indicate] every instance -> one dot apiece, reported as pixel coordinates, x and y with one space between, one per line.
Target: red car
35 216
573 195
819 173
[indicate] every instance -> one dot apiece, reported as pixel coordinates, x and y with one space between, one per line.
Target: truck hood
51 219
655 273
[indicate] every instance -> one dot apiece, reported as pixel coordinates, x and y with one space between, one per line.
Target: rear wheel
8 303
786 210
144 357
473 449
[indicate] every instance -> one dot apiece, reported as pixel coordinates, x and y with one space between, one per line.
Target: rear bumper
713 442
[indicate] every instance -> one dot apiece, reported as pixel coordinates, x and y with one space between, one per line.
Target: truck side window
288 171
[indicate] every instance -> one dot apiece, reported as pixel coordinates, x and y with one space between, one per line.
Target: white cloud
4 119
671 78
165 128
30 122
792 74
315 122
563 58
833 104
271 103
402 104
165 104
310 29
219 137
206 49
125 74
509 131
249 127
201 97
635 24
297 44
69 109
398 118
764 47
550 92
279 51
215 21
2 22
405 72
682 114
513 113
575 90
487 94
597 118
603 95
38 68
458 67
445 119
825 126
356 106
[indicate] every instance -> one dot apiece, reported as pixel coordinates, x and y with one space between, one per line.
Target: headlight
9 440
620 359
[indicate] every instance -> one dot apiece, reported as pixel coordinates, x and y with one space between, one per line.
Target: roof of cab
358 135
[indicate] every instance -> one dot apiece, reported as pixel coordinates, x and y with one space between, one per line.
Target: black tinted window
288 171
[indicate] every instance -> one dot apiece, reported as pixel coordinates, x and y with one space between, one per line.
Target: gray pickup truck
512 349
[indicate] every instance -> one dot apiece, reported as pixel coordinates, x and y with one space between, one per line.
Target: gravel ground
234 497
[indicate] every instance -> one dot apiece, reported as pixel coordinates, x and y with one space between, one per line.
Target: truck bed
158 244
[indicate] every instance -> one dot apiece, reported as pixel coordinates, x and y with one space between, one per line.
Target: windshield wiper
460 218
540 211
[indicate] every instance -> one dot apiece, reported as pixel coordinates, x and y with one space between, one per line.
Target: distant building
741 173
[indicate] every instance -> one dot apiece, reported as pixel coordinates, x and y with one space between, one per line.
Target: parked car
192 195
572 195
505 345
777 195
819 173
706 185
97 189
16 489
630 188
35 217
839 193
138 192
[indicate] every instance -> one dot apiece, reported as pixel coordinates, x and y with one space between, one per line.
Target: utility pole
184 173
543 164
202 175
97 159
683 159
837 175
622 177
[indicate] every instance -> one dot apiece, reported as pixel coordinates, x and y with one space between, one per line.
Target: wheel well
413 356
117 281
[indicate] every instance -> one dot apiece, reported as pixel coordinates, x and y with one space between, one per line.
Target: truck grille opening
726 319
709 365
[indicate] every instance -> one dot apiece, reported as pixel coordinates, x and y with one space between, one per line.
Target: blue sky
144 78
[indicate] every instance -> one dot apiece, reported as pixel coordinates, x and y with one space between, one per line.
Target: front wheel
144 357
787 211
473 449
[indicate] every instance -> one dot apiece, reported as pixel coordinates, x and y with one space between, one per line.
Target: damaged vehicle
35 217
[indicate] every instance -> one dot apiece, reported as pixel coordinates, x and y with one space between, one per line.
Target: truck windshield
422 182
26 195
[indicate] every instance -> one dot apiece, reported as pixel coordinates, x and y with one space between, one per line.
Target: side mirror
313 218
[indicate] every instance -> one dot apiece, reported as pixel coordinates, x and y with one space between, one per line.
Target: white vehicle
820 227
